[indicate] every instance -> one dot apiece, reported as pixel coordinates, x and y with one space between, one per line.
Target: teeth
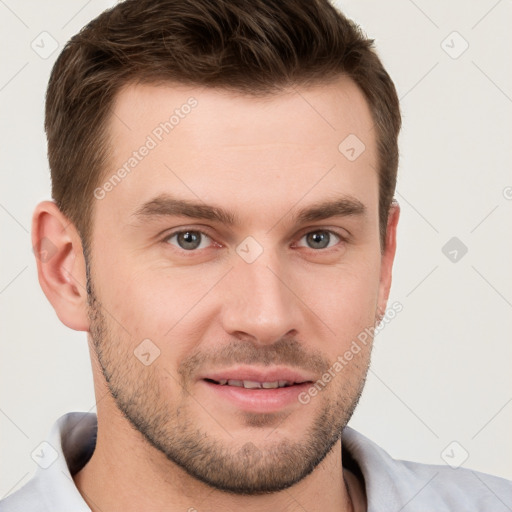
251 384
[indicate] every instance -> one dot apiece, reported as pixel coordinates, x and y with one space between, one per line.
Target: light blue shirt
391 485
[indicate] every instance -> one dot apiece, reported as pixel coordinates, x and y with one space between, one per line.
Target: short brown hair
255 47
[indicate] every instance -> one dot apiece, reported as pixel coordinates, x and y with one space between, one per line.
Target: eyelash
192 252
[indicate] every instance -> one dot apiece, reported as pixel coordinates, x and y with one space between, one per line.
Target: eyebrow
168 206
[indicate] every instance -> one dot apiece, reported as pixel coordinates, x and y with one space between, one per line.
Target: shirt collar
67 449
72 440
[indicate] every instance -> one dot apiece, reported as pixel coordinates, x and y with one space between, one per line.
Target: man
224 230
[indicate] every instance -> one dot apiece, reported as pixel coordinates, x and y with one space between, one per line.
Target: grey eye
189 240
320 239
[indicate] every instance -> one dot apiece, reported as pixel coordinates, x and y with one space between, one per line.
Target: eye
321 239
189 240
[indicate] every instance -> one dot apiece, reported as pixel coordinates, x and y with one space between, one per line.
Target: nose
260 303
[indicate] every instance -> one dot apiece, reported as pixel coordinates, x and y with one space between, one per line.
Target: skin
209 310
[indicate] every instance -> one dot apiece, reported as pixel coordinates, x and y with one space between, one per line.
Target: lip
252 373
256 400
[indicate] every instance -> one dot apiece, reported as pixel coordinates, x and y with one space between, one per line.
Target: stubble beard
236 466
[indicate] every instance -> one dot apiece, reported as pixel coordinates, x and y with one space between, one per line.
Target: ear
60 264
388 256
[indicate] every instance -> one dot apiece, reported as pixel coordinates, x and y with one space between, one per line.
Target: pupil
188 240
319 239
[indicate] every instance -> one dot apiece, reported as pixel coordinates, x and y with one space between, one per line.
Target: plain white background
441 368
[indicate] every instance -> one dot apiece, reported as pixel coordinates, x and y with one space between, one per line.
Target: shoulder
396 484
30 498
68 448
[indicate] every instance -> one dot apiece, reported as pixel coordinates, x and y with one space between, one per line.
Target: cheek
164 305
344 297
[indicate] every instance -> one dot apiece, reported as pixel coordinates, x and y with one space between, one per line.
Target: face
234 262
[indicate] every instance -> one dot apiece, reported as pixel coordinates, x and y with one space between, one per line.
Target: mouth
256 390
253 384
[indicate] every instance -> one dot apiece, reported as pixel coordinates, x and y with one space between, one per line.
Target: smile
251 384
255 389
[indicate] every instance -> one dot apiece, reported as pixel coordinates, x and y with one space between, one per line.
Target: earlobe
60 264
388 256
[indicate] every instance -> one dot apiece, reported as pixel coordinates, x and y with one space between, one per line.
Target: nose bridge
259 302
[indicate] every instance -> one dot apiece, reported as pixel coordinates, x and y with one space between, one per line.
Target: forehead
219 146
217 114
